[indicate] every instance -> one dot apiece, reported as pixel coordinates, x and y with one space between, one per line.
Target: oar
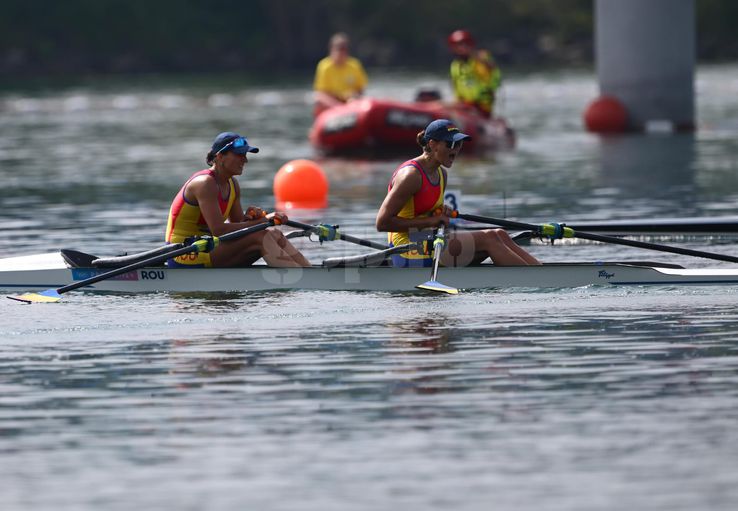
694 225
705 226
201 245
329 233
433 285
562 231
370 259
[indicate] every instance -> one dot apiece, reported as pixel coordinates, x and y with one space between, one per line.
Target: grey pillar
645 54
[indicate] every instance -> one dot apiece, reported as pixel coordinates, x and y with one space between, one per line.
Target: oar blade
48 296
434 285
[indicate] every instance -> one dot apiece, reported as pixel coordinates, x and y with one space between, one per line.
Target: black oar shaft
604 239
655 246
344 237
120 271
157 259
497 221
691 226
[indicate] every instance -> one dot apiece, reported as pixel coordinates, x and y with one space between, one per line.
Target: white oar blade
434 285
48 296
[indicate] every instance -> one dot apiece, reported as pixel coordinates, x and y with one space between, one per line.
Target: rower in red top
416 191
209 204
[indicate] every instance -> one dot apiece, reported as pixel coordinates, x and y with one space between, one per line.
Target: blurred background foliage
43 38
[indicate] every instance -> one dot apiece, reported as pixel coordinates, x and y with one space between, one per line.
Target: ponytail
422 141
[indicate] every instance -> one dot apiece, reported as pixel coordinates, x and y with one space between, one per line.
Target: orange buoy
301 184
606 114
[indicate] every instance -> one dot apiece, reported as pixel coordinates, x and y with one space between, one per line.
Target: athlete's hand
253 213
448 210
442 215
278 217
436 220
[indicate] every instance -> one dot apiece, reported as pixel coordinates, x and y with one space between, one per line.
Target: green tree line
62 37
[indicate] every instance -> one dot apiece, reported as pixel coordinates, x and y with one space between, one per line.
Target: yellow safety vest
475 81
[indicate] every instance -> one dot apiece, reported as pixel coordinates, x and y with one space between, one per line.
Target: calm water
573 399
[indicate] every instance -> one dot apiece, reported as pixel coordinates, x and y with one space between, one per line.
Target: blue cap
234 142
444 130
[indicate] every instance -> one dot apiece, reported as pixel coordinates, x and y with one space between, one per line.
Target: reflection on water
212 302
650 173
424 335
196 363
649 163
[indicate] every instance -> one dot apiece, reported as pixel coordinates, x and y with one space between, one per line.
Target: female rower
209 204
416 191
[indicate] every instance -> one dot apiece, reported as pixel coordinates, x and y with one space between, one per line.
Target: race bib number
452 199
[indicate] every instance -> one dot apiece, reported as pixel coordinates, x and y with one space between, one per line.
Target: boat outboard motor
427 94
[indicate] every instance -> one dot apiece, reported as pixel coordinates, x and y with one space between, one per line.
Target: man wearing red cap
475 76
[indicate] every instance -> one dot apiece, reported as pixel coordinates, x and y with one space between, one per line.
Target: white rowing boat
51 270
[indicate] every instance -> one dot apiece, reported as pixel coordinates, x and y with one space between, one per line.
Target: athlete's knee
273 240
278 237
493 236
256 237
503 235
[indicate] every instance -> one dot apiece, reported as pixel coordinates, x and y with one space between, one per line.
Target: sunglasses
451 144
234 144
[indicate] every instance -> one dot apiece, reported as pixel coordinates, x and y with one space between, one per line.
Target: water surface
571 399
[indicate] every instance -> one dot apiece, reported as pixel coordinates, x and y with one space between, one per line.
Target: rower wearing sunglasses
209 204
414 204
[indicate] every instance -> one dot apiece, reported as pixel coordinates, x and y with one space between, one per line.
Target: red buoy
301 184
606 114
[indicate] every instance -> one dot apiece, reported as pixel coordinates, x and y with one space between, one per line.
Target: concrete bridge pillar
645 57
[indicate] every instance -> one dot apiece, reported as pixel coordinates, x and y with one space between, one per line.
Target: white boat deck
49 271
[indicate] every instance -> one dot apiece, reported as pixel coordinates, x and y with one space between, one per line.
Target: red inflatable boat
374 127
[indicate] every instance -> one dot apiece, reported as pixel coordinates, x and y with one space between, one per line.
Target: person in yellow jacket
339 77
475 76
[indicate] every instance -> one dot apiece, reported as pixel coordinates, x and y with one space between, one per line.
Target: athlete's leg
465 248
269 244
278 251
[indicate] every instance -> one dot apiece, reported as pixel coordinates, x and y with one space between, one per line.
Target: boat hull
48 271
374 126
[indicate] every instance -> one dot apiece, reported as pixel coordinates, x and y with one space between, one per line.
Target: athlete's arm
406 183
203 191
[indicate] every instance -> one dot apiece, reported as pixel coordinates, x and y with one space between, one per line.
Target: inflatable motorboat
376 127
